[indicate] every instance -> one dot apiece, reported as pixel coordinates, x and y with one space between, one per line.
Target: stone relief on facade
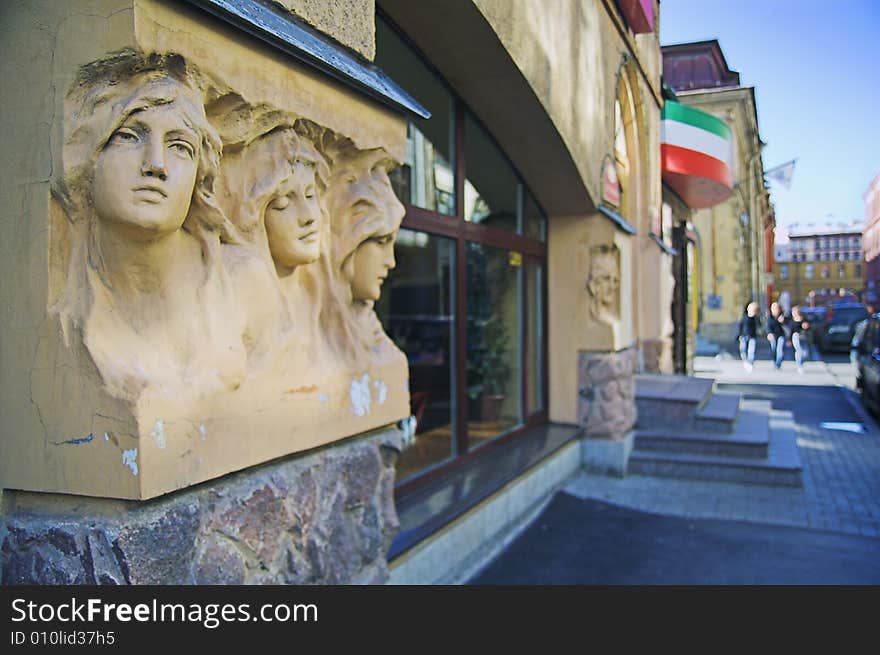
604 283
218 254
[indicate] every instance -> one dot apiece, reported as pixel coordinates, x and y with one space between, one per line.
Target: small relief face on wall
146 172
365 216
604 283
294 218
206 243
271 189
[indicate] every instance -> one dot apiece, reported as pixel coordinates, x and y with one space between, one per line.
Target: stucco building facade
735 236
820 260
871 240
423 256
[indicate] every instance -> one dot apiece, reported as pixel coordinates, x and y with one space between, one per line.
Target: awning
696 154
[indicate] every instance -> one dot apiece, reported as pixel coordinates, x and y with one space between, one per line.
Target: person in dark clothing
747 331
776 333
797 328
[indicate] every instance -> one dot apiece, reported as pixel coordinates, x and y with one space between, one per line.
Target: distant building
820 259
734 238
871 241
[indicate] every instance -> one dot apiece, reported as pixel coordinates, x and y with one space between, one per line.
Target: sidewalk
840 499
841 490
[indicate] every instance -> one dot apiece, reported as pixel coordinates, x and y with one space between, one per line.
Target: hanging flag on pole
782 173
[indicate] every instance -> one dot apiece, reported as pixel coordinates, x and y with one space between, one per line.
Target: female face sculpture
146 172
270 185
366 216
142 156
604 282
372 261
294 217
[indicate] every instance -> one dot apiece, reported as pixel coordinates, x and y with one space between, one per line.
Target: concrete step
780 467
670 400
719 414
750 437
752 445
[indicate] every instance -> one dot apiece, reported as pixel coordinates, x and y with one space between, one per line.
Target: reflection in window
426 179
416 310
490 190
535 335
534 223
493 357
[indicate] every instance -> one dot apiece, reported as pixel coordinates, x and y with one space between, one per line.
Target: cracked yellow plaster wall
574 328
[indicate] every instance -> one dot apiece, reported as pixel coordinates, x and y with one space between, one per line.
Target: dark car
815 315
837 329
868 362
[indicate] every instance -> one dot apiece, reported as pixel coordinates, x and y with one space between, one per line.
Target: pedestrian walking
747 333
797 329
776 334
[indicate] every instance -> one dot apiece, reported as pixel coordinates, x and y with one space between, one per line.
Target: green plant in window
488 370
488 334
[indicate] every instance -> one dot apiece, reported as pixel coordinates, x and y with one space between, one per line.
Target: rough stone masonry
324 518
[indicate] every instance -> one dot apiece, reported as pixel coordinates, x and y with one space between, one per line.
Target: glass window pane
490 190
534 223
535 337
426 179
493 342
417 311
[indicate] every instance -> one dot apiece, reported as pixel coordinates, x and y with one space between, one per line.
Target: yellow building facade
481 182
733 267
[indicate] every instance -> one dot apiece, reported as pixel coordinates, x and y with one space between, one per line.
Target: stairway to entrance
687 429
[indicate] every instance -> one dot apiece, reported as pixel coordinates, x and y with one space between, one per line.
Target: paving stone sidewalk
841 491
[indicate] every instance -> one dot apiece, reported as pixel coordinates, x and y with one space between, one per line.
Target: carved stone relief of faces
604 282
365 216
293 218
145 174
371 263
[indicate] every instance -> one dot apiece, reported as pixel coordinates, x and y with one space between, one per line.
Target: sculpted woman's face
361 193
145 174
361 198
372 261
604 281
293 220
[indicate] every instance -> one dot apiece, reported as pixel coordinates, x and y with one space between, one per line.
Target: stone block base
606 393
327 517
657 355
607 456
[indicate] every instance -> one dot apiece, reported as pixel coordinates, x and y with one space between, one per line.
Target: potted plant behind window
487 369
488 339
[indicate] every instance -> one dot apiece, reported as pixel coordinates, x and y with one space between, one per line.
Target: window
466 302
841 271
783 272
858 270
808 271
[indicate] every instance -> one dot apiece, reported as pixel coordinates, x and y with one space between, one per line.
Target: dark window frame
455 227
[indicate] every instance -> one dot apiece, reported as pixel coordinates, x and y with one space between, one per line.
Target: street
646 531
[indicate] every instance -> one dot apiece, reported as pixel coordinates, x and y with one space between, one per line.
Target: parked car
815 315
836 332
868 365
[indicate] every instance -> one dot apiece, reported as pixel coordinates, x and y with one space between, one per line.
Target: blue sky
815 66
